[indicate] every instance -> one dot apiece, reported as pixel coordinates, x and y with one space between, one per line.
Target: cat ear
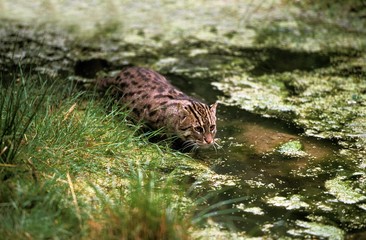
213 107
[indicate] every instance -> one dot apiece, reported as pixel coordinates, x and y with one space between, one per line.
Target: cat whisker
214 146
195 147
188 144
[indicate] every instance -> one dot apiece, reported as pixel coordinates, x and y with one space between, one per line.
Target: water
280 196
248 152
280 191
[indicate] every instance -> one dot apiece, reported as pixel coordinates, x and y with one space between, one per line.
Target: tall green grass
18 107
72 170
30 207
37 211
58 143
146 209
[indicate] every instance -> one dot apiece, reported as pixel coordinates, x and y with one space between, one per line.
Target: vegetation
71 170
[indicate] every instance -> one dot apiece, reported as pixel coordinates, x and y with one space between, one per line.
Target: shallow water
248 151
281 191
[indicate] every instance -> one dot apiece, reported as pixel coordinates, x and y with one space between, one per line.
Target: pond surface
283 193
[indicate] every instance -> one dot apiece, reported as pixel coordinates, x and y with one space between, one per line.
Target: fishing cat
153 100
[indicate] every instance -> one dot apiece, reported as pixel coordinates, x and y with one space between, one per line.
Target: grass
74 171
36 211
145 212
81 172
18 108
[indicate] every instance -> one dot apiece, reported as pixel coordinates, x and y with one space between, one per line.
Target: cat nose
209 139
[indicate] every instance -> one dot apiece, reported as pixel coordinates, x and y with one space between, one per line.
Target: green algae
322 102
324 105
292 149
318 230
293 202
253 95
343 191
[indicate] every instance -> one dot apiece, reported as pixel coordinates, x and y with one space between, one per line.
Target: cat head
197 125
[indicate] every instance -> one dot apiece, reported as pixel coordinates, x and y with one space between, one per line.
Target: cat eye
212 128
198 129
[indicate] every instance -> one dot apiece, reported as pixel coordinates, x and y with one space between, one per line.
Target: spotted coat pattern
152 99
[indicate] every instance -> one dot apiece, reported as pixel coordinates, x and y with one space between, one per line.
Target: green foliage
147 209
210 206
65 142
18 107
36 211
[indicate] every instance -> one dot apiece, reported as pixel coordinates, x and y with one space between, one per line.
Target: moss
325 104
317 229
265 97
294 202
343 191
292 149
